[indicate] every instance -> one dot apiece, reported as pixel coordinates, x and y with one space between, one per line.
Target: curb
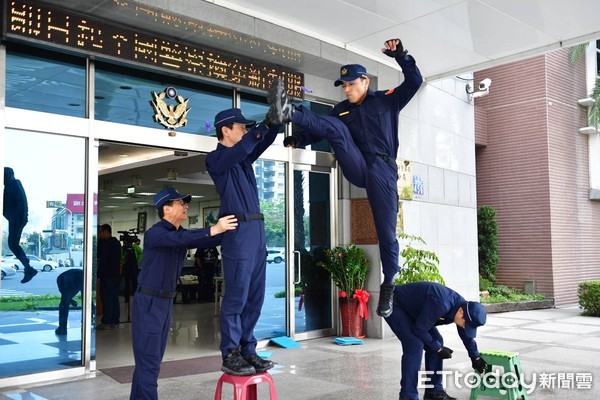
518 305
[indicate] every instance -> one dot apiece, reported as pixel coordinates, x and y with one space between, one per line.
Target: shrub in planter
487 232
419 265
484 284
589 297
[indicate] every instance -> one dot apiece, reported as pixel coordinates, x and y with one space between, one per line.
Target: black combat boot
431 394
280 105
386 296
259 363
234 364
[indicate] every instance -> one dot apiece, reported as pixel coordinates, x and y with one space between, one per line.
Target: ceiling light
111 206
195 196
146 193
119 197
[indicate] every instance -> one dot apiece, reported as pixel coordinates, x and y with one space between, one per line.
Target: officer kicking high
243 251
418 308
165 248
363 132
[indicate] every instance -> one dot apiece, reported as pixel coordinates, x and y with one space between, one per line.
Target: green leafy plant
348 267
484 284
589 298
503 294
576 53
281 293
487 232
419 265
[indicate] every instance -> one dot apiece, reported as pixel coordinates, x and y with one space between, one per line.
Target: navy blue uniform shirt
374 123
231 170
431 304
165 248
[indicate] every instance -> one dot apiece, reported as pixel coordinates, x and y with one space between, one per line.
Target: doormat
170 369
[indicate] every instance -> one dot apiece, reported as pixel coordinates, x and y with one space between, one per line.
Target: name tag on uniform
344 113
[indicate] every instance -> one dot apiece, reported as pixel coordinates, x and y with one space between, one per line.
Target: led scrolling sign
26 19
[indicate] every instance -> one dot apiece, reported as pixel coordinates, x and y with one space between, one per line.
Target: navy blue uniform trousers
152 316
244 260
412 353
377 176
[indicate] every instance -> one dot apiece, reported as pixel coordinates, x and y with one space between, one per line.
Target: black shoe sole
238 373
385 314
274 99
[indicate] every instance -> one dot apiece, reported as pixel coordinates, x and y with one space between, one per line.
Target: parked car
35 262
8 269
275 256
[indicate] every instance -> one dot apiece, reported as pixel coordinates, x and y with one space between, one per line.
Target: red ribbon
363 297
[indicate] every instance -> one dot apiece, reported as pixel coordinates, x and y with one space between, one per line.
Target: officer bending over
418 308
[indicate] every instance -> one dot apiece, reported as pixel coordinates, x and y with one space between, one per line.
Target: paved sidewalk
559 351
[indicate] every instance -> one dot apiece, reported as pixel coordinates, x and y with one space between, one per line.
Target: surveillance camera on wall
485 84
484 88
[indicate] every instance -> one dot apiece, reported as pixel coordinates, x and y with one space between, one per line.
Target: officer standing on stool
418 308
243 251
165 248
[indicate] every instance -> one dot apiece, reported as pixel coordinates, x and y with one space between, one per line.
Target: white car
35 262
8 269
275 256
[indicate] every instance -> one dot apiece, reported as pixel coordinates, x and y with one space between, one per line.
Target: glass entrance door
309 294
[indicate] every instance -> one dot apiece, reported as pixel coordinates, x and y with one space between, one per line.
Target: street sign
54 204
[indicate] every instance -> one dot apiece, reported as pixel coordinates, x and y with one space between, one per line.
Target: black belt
157 293
385 158
249 217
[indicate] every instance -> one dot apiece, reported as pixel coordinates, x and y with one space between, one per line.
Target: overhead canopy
445 36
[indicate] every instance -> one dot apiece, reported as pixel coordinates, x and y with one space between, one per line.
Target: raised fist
393 48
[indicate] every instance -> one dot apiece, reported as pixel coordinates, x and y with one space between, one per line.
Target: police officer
16 213
243 251
165 248
69 283
418 308
363 132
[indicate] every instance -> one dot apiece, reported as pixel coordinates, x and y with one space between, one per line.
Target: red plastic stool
244 387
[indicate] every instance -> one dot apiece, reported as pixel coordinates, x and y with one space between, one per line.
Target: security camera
484 89
485 84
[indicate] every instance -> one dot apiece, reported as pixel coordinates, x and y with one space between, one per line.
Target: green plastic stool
493 385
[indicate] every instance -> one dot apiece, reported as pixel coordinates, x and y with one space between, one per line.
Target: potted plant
419 265
348 267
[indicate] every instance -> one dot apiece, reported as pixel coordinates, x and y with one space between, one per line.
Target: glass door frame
304 160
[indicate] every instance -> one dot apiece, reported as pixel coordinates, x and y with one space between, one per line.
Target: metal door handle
299 267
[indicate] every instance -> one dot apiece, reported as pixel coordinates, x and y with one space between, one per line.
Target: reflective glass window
42 239
52 83
320 109
140 98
